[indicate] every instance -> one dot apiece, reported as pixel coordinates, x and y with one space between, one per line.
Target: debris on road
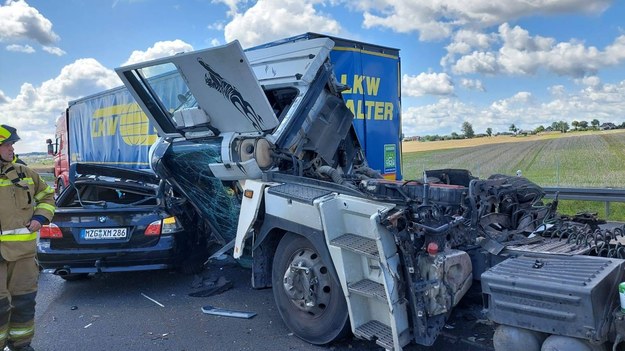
227 313
210 286
151 299
220 254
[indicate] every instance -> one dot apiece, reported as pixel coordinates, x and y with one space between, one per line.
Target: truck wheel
307 292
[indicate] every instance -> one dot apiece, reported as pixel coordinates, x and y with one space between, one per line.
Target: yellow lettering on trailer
365 85
357 88
376 110
128 120
388 111
348 91
373 84
379 110
370 105
103 126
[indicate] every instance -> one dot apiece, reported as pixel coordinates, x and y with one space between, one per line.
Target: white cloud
158 50
27 49
427 84
444 116
477 62
273 19
35 109
465 41
233 5
20 21
3 98
215 42
54 50
557 90
591 82
615 52
80 78
522 54
218 26
508 106
472 84
436 19
605 102
405 16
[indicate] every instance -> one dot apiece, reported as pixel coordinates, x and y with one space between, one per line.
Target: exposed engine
442 222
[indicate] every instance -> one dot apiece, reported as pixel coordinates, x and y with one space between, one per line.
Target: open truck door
221 93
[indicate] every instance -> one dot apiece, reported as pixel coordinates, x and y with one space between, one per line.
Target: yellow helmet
8 134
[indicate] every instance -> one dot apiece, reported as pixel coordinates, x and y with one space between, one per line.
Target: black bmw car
113 219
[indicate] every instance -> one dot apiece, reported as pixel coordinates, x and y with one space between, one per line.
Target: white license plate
104 233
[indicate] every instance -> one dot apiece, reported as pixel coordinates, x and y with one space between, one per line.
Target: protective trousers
18 289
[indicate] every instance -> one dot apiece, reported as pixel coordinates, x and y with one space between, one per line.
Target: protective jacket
23 196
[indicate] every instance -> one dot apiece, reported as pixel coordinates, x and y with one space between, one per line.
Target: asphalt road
115 312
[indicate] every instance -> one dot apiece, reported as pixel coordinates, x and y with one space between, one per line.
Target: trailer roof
338 41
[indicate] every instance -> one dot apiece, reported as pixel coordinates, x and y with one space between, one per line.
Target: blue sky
490 63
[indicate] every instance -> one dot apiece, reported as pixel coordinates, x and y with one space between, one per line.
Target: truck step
368 288
358 244
374 330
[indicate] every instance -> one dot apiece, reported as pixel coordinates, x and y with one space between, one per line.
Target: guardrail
605 195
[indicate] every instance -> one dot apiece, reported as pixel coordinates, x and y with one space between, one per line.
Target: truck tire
321 316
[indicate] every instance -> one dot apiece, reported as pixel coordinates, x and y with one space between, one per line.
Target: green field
596 160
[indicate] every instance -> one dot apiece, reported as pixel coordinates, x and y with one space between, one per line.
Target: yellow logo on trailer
133 124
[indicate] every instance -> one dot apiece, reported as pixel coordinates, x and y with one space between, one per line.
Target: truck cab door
211 91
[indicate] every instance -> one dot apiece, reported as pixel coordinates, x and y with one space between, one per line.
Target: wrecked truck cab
234 115
261 108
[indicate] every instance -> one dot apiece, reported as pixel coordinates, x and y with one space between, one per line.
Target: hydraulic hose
333 173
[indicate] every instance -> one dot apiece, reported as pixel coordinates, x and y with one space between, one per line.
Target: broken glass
186 164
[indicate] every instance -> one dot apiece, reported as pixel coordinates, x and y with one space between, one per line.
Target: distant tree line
467 131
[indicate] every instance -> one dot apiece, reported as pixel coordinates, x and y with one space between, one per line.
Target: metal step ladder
368 266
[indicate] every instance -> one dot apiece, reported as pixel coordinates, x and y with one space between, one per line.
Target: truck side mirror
50 147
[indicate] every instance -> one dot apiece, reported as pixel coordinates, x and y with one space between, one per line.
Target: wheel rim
307 283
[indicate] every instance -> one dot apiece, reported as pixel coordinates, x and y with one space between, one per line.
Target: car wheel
192 266
74 276
307 292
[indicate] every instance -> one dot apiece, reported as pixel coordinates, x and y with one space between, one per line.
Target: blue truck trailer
110 128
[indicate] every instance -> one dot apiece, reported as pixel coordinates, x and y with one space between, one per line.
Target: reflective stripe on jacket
23 194
22 234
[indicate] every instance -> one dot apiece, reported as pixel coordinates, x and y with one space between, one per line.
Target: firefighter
26 203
